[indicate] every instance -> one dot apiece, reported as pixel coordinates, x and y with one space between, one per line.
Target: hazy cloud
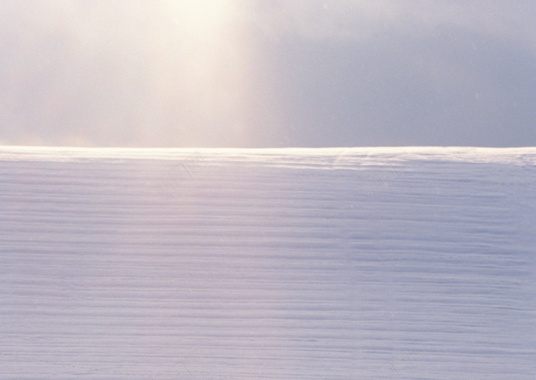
367 21
267 73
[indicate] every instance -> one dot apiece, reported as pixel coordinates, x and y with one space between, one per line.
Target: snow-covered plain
366 263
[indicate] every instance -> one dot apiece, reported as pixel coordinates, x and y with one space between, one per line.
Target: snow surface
367 263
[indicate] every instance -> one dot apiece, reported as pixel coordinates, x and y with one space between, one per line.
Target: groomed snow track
365 263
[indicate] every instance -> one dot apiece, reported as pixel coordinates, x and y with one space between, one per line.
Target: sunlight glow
214 65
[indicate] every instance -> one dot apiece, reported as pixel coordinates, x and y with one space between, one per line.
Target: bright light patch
213 60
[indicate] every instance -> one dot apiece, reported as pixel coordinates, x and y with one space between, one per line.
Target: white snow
365 263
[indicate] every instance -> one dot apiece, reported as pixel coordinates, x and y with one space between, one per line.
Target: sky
267 73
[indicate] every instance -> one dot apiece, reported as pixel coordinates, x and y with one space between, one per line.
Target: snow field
369 263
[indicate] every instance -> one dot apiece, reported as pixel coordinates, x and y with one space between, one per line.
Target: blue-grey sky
267 73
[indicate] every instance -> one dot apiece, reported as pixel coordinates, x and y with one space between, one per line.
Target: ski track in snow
362 263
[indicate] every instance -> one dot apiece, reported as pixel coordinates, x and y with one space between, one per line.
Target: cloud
267 73
368 20
405 73
159 73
